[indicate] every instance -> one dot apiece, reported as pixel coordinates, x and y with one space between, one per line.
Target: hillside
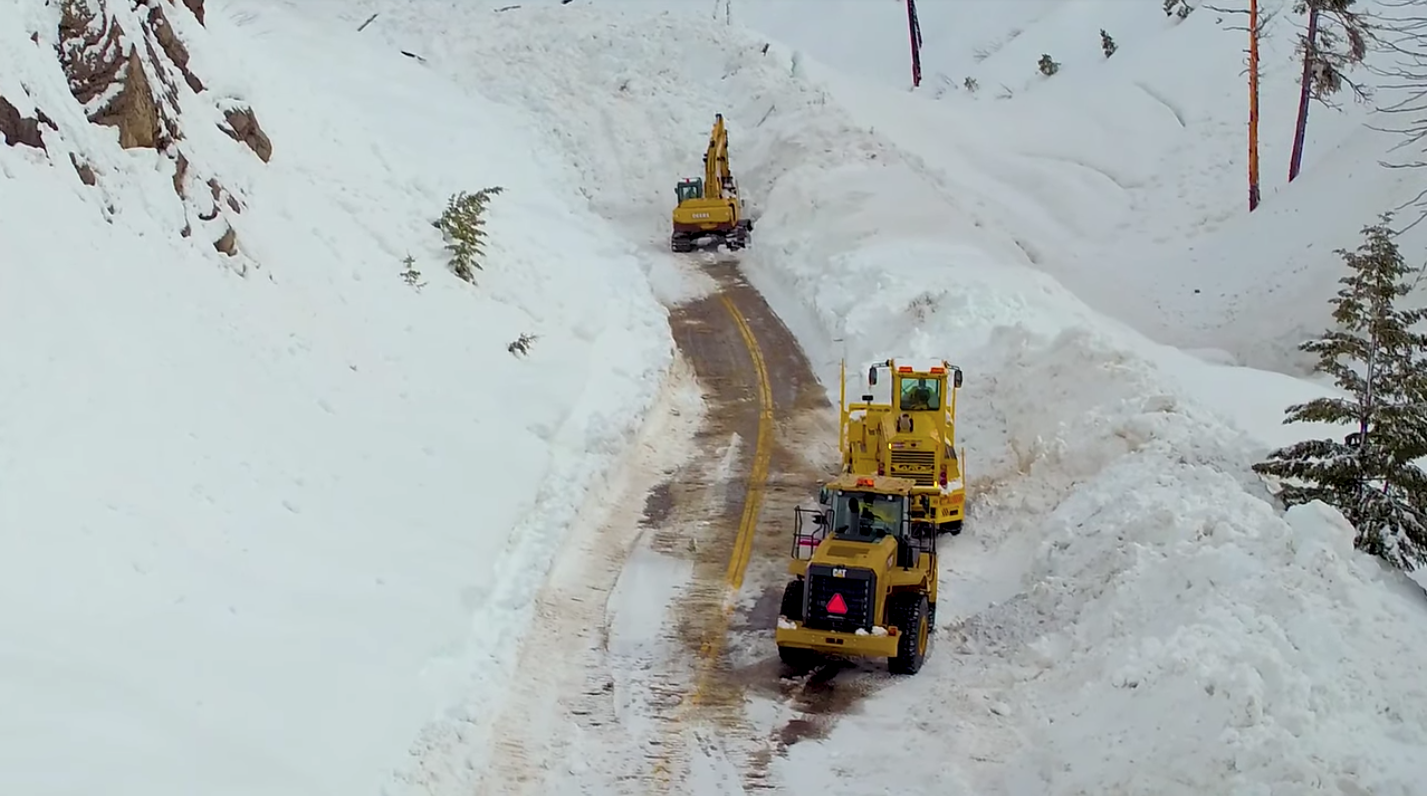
265 511
276 520
1127 175
1127 568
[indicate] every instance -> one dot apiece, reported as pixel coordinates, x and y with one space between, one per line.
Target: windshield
693 189
865 515
920 395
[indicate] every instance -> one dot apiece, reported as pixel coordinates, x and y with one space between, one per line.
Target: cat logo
839 572
701 215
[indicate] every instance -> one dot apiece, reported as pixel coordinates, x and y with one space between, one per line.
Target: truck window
920 395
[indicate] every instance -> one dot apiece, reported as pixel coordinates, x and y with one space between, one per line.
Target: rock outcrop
243 127
128 65
19 130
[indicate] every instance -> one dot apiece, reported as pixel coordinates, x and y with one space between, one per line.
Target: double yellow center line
713 644
762 455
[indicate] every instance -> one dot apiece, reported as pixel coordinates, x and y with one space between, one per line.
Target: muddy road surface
652 662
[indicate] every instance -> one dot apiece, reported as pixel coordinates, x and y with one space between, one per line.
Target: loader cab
919 394
867 516
691 188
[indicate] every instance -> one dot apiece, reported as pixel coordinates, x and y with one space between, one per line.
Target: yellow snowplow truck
710 207
912 435
865 577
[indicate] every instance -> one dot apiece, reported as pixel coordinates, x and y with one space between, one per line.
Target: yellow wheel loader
865 577
710 207
910 435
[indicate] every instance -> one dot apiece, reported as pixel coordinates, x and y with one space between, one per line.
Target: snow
312 522
1147 162
259 531
1167 614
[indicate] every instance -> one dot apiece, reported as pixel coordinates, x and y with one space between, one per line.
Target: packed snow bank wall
1122 167
1230 641
1168 614
258 531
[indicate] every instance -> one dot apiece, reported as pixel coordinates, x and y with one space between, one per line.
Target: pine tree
1340 43
464 226
1376 357
1047 65
1180 8
1107 44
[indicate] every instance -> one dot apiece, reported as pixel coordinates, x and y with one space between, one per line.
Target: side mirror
956 378
823 496
872 375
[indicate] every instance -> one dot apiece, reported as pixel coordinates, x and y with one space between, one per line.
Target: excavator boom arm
716 173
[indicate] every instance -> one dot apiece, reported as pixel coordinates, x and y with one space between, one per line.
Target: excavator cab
689 188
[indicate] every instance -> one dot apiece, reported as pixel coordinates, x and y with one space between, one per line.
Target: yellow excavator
709 208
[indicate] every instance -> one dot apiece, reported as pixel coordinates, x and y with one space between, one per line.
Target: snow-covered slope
256 531
1129 614
1128 175
321 500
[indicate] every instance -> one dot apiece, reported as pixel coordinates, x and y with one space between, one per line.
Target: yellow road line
713 644
712 647
762 456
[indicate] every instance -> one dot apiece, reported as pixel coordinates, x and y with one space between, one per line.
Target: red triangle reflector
837 605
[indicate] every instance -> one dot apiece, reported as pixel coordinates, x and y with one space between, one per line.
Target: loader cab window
920 395
866 516
693 189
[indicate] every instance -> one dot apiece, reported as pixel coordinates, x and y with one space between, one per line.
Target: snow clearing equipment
913 436
865 577
710 207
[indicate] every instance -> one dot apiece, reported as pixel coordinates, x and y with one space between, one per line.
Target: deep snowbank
1135 562
258 531
1180 637
1122 466
1119 168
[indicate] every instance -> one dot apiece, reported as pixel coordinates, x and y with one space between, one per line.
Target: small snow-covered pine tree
1047 66
1180 8
412 276
1377 357
1107 44
463 224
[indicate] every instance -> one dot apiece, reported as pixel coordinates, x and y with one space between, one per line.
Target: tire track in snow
564 671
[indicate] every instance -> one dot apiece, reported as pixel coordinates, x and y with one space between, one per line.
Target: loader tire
795 658
798 659
909 614
792 606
